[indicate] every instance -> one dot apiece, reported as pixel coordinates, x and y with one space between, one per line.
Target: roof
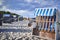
45 11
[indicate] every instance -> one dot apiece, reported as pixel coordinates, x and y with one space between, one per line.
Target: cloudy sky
26 8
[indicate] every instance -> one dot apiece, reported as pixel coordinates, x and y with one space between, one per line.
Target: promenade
18 31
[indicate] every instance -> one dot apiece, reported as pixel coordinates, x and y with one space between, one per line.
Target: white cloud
4 7
24 13
29 1
41 2
1 2
44 2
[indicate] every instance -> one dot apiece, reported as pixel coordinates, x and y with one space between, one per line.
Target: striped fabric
51 12
45 11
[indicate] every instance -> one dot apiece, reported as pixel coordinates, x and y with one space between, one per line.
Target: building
6 18
1 15
47 20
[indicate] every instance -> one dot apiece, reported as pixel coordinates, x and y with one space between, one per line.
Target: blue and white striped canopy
45 11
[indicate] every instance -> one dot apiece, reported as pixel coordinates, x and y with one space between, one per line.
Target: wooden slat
53 24
43 23
48 25
48 33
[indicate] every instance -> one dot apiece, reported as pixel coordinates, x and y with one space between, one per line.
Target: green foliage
7 12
